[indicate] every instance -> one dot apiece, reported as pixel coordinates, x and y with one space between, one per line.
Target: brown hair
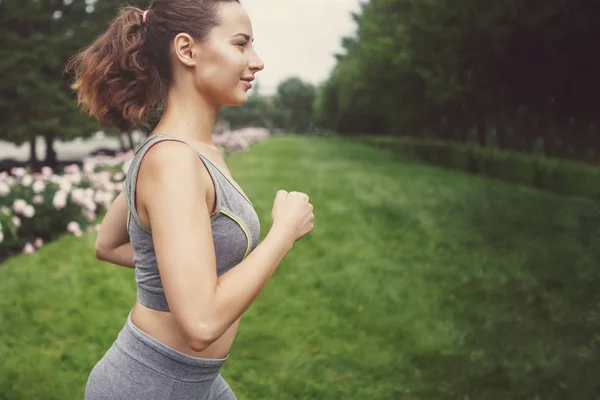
123 76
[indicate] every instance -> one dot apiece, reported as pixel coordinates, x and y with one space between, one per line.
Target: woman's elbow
98 253
202 338
101 247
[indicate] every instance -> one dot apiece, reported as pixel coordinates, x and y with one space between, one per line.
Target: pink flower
28 249
74 228
90 215
16 221
46 171
71 168
38 199
16 171
38 243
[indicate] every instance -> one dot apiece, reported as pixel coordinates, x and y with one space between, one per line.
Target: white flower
88 166
16 221
28 249
27 180
29 211
78 195
38 199
19 205
126 166
65 185
4 189
47 171
39 186
60 199
38 243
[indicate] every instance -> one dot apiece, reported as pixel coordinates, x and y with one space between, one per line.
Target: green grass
417 283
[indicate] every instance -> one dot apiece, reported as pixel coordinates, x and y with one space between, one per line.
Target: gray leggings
137 367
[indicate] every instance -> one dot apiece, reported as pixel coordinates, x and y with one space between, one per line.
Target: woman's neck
188 116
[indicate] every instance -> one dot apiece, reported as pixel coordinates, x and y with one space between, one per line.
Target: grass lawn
417 283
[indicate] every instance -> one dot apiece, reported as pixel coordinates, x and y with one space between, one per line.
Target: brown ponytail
122 77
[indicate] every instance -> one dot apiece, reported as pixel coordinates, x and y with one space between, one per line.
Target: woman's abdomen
162 327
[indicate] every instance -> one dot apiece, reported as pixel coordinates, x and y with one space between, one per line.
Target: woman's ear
184 46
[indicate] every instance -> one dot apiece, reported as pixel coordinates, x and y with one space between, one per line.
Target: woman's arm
172 187
112 243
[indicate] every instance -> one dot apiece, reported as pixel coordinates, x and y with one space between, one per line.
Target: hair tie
144 16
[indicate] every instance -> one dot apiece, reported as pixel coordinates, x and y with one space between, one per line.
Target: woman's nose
255 63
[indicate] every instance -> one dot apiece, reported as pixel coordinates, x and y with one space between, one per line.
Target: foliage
290 109
38 37
419 66
37 208
568 178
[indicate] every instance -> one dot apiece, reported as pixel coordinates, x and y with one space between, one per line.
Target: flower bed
36 208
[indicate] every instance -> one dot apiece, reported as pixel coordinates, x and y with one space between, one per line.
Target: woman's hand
112 244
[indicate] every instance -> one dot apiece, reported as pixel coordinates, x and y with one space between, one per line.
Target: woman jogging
181 221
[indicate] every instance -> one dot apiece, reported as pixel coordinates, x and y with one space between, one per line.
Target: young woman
184 224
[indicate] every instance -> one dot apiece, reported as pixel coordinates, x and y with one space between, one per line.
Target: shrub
560 176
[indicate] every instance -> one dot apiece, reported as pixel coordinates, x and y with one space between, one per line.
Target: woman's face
227 59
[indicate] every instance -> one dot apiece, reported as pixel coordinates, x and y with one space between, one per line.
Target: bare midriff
161 325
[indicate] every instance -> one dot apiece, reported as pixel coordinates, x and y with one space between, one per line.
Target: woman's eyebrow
247 37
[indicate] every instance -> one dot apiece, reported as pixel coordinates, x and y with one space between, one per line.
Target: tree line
516 74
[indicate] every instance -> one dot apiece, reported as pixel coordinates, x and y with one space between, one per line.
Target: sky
298 37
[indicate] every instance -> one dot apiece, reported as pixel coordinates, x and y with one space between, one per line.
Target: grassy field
417 283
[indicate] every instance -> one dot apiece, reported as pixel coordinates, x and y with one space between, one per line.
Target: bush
37 208
40 207
559 176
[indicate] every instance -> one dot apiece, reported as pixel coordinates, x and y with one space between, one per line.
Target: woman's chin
238 100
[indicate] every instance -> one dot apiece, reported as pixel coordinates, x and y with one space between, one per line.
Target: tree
415 63
36 40
296 98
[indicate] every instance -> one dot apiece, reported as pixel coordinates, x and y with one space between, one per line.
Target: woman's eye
242 44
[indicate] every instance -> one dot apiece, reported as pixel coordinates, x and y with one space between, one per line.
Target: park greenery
472 278
417 283
518 75
515 75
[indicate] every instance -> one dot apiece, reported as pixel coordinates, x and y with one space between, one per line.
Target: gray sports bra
235 228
